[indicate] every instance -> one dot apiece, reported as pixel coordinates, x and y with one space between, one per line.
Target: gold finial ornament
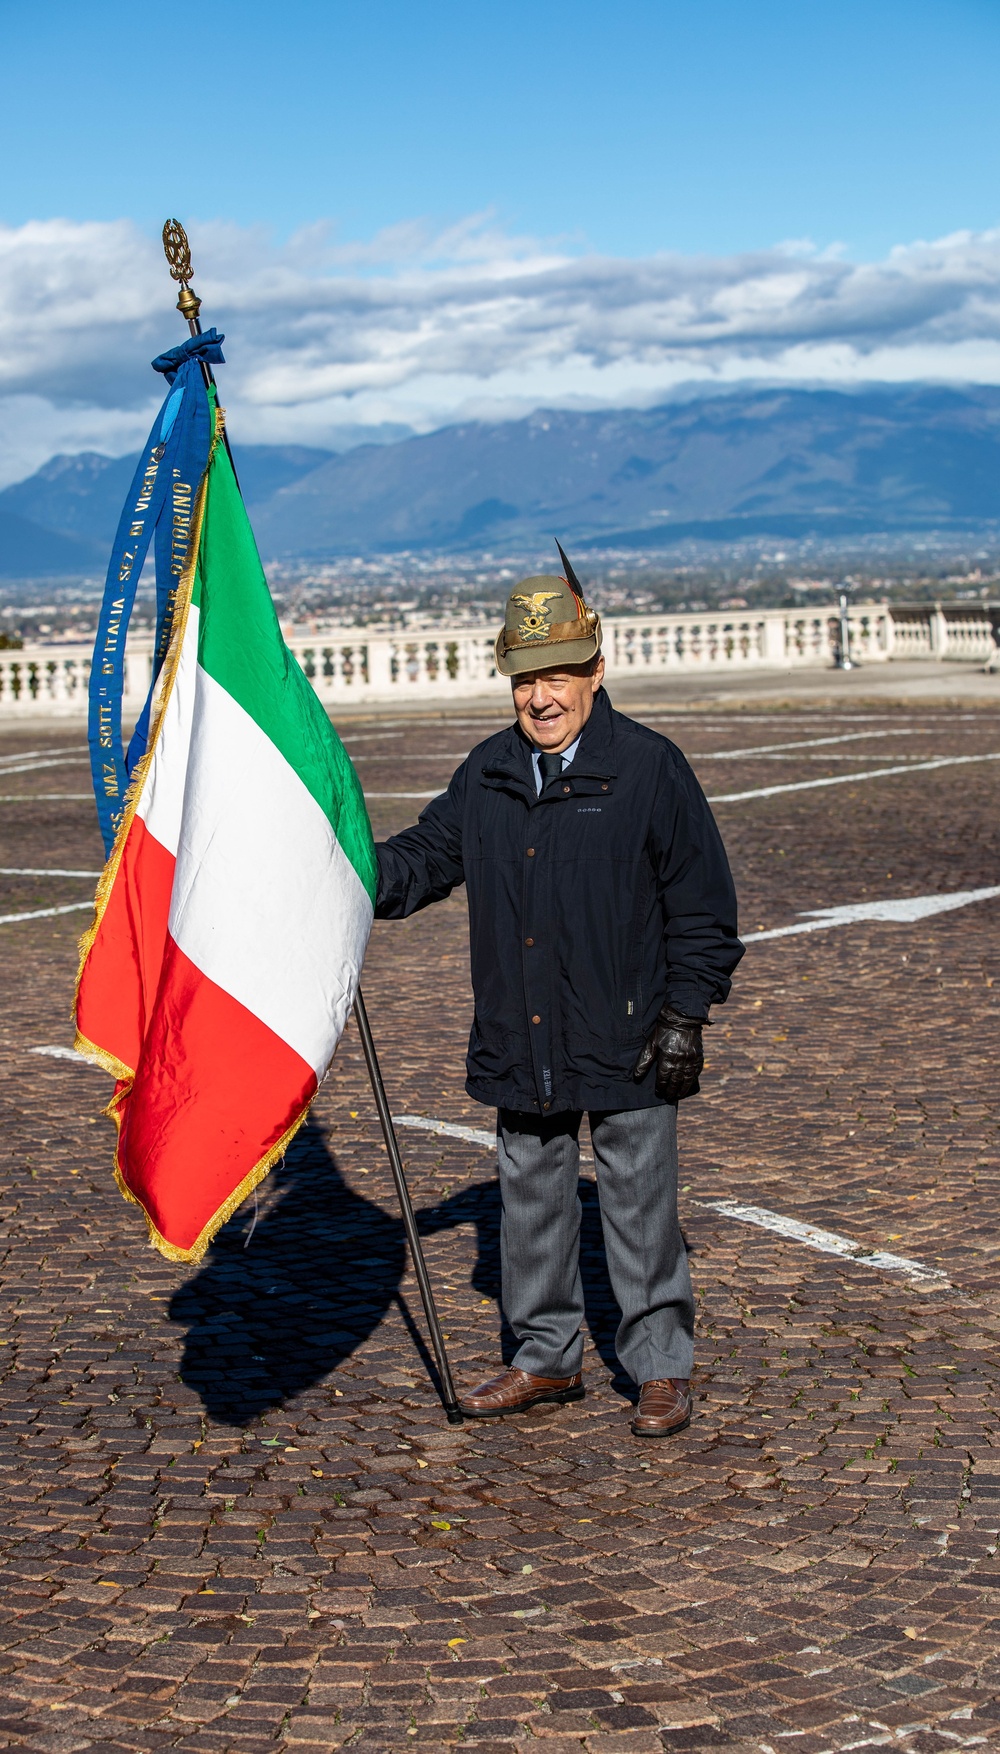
178 253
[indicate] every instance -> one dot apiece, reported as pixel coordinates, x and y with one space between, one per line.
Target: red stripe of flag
215 1090
122 972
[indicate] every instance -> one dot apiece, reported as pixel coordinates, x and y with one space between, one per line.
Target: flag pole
178 253
448 1395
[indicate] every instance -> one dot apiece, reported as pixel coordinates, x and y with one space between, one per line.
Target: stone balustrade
953 630
358 664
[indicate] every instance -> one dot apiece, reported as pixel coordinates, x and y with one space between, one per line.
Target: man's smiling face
552 706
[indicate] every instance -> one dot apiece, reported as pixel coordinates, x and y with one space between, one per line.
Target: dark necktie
550 767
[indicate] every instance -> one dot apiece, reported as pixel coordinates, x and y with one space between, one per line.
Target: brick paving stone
220 1486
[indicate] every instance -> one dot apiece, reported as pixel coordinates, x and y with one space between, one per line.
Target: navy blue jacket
588 907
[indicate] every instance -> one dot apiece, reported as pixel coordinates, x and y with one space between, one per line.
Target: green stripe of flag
241 647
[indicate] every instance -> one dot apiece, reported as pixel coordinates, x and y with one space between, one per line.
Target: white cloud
426 326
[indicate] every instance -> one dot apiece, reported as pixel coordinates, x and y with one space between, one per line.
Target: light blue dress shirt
567 756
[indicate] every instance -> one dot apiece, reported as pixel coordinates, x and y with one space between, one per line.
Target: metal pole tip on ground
448 1396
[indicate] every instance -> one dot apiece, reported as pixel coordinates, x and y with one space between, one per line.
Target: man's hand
675 1045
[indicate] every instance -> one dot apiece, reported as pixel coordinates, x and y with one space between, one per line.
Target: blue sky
422 212
628 128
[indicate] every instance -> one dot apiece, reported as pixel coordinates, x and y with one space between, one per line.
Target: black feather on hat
571 578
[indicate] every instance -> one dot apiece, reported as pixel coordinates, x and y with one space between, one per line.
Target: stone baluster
380 665
939 632
774 641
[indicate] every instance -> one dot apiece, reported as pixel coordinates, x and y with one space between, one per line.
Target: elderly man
602 920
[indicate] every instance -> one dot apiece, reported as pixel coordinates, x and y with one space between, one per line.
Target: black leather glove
675 1045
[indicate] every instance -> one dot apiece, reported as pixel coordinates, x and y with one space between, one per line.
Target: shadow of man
269 1320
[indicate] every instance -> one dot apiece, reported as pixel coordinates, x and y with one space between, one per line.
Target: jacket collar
595 758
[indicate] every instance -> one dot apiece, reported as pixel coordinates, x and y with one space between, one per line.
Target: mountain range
779 462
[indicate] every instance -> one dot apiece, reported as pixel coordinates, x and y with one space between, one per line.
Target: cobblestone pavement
234 1516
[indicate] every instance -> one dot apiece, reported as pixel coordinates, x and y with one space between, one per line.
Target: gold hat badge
537 624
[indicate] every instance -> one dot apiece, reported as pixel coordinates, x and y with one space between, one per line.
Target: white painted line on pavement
833 755
33 754
809 743
44 913
436 721
845 715
45 797
437 794
31 871
366 736
828 1242
471 1135
907 910
33 766
848 779
57 1053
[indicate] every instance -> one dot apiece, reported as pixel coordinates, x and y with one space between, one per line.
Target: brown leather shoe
664 1407
514 1391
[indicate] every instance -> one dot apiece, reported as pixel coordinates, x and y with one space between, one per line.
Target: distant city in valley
769 497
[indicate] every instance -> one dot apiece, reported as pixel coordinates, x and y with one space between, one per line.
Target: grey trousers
635 1151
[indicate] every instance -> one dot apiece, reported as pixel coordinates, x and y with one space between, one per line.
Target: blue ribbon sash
159 504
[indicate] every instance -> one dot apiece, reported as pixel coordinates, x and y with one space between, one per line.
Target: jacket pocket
495 1054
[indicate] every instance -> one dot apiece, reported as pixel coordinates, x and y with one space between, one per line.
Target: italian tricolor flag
233 915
